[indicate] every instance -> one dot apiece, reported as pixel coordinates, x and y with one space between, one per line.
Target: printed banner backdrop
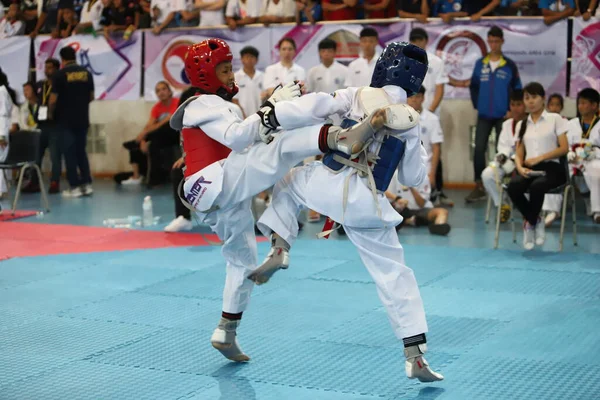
307 40
585 62
164 53
539 51
115 64
14 61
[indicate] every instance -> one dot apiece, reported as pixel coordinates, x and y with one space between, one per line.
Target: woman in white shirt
542 140
8 97
285 71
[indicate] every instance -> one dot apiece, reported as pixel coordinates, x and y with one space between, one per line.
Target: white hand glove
571 156
287 92
266 134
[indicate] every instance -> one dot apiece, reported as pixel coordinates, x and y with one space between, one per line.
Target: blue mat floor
504 324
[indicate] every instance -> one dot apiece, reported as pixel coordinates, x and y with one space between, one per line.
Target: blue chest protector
389 156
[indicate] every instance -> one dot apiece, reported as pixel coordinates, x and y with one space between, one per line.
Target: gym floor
89 312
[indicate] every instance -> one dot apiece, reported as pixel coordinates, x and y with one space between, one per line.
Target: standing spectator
48 18
8 99
308 11
285 71
330 75
185 16
28 110
339 10
145 12
379 9
417 9
519 8
211 12
69 107
249 81
277 11
478 8
555 10
242 12
11 24
542 140
91 15
434 84
586 9
361 70
67 23
51 137
121 15
29 11
494 77
447 10
160 10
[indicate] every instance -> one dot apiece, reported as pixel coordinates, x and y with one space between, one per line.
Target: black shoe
477 194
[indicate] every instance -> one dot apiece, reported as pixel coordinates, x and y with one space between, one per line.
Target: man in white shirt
285 71
361 69
330 75
277 11
160 10
242 12
10 25
91 13
211 12
249 81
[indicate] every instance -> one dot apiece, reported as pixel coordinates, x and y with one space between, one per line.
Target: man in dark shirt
72 92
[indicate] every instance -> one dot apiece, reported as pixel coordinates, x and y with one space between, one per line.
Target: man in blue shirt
494 78
555 10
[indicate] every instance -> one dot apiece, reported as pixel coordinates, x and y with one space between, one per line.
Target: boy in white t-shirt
242 12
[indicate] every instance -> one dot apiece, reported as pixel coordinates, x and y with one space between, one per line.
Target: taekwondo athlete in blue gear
355 190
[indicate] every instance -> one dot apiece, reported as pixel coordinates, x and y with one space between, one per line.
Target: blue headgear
401 64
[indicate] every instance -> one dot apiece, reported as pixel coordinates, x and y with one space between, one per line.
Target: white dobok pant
313 186
245 175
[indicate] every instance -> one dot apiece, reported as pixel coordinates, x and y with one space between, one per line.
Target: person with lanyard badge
28 110
503 163
285 71
542 140
584 137
553 202
50 138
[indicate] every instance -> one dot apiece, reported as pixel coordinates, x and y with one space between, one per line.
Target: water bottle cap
147 198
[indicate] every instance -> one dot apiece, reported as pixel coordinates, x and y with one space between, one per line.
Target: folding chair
22 154
564 189
501 189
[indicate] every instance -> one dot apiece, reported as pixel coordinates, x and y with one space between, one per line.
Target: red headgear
200 63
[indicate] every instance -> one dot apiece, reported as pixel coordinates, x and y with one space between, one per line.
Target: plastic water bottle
147 214
128 222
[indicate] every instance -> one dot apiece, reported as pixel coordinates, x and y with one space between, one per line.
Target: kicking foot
224 339
417 367
278 258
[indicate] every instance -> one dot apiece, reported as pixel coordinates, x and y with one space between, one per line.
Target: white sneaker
597 218
550 218
528 236
179 224
224 339
588 206
87 190
540 232
73 192
133 181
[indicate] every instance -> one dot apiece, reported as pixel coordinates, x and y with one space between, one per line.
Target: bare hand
532 162
140 137
422 18
432 178
144 146
524 172
400 204
232 24
3 144
178 164
586 16
475 17
446 18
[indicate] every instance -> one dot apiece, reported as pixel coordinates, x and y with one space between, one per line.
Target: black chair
565 189
23 149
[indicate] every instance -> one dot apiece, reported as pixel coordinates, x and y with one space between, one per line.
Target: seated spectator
277 11
555 10
285 71
380 9
553 202
156 135
68 22
586 9
121 15
521 8
308 11
11 24
361 70
28 110
503 164
417 9
211 12
242 12
542 140
339 10
29 12
584 157
91 15
416 208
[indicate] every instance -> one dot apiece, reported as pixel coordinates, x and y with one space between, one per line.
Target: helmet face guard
201 62
401 64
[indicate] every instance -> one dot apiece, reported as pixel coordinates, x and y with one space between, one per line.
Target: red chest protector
200 150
